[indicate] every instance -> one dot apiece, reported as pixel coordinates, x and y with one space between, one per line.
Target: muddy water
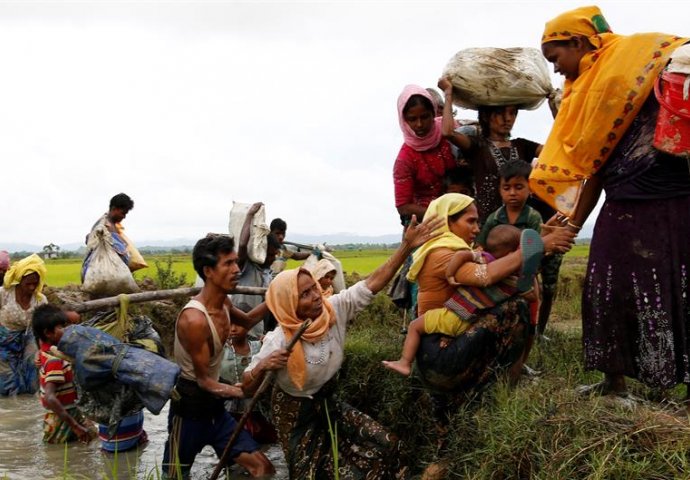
24 456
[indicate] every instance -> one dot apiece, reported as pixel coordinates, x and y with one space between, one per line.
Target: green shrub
166 277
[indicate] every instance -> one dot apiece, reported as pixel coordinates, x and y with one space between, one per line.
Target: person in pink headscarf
424 158
4 264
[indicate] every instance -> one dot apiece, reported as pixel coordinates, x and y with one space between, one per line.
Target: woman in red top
424 158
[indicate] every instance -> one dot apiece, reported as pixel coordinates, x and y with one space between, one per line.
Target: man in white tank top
199 418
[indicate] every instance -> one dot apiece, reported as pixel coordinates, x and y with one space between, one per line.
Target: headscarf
282 297
443 207
321 268
433 138
613 83
4 260
26 266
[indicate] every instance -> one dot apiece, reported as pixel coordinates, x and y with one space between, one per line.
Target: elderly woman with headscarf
636 297
20 295
424 158
302 401
324 272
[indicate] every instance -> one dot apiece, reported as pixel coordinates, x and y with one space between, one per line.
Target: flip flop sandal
532 248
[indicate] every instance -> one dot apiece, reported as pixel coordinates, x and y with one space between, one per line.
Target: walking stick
268 378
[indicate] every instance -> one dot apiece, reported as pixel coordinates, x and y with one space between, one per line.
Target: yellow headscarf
443 207
598 107
26 266
281 297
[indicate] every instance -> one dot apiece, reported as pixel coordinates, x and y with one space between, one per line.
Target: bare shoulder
192 325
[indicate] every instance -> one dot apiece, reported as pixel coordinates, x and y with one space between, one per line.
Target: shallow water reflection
23 454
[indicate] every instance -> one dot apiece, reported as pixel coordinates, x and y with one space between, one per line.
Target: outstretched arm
588 200
448 125
247 319
415 235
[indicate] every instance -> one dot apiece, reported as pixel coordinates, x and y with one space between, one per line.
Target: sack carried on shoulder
258 232
107 274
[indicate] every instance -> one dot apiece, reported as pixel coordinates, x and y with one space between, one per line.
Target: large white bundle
258 231
499 76
106 275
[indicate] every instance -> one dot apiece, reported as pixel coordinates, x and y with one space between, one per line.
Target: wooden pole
151 296
268 378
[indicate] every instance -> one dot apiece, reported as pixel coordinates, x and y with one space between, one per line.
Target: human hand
452 282
419 233
445 85
254 208
84 435
276 360
557 239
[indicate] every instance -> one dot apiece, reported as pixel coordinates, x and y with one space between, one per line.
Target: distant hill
307 239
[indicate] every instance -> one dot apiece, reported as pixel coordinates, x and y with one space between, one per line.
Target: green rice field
65 271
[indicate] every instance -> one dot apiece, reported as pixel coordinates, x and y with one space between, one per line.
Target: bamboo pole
268 378
151 296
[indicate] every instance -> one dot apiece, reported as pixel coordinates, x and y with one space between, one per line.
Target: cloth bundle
498 77
119 377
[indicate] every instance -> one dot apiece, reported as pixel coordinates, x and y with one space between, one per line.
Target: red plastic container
672 134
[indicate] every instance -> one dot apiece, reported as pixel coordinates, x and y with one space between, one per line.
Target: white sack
498 77
107 275
258 232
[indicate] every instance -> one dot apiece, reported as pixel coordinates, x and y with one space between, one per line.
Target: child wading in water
460 310
63 422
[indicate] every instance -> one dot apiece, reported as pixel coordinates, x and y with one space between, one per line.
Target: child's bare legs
414 333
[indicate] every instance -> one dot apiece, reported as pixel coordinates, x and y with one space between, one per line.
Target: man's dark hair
278 224
207 250
273 241
514 169
45 318
122 200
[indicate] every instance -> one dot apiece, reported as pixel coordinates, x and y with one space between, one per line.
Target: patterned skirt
56 430
18 372
366 450
471 361
636 298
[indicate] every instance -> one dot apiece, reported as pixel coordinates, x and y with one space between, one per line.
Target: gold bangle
251 375
576 227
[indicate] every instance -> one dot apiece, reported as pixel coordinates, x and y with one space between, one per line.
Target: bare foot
401 366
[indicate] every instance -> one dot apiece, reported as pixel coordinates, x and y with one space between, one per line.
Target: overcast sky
187 106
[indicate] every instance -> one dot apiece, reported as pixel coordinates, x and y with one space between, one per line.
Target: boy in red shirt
62 422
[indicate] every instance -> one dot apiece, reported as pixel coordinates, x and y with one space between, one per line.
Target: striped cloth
130 431
467 302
